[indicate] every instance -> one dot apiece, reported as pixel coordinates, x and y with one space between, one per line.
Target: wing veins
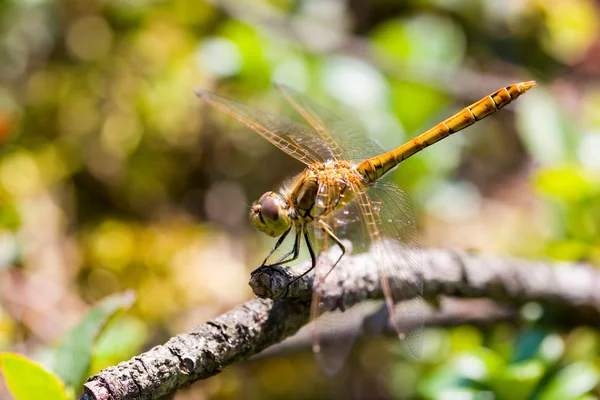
321 130
281 143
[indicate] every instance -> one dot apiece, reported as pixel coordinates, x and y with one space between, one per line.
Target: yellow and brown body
322 188
375 167
326 186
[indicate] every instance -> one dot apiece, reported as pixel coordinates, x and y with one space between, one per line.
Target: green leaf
528 344
122 338
26 379
479 365
573 381
582 344
517 381
9 217
251 45
443 377
424 40
569 250
567 183
74 353
424 102
465 338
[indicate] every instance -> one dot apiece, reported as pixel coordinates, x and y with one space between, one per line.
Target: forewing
293 138
388 216
344 135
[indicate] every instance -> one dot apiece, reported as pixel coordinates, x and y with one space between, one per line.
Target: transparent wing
389 220
295 139
334 332
379 218
343 134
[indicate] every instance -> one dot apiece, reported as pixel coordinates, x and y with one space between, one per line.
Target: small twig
569 291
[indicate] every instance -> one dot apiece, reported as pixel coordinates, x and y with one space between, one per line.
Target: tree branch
570 291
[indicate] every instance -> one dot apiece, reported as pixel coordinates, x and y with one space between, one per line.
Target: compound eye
264 197
270 209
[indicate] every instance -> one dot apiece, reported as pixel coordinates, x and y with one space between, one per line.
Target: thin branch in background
570 291
451 312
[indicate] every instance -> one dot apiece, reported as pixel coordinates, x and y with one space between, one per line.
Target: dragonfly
340 195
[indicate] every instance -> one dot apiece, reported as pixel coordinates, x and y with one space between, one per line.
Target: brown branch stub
273 282
571 291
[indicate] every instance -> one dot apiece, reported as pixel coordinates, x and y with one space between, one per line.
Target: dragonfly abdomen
375 167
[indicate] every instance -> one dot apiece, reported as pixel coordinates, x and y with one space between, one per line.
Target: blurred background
113 175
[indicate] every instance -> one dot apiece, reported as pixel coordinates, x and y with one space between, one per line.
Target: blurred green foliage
28 380
65 367
113 176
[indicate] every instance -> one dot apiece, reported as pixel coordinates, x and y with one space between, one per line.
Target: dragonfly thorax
322 188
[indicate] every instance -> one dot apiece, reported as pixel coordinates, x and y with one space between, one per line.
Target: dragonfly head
271 214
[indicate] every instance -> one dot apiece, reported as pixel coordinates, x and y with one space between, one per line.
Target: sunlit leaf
584 220
479 365
573 381
443 377
9 217
251 46
415 104
517 381
27 380
220 56
194 13
74 353
568 183
582 343
571 27
551 349
568 250
354 83
423 40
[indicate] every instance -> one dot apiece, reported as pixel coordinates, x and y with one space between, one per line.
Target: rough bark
570 292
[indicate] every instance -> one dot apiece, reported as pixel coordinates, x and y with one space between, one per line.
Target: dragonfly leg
293 253
327 229
313 260
279 242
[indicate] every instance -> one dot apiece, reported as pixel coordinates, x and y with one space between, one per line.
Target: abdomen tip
525 86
